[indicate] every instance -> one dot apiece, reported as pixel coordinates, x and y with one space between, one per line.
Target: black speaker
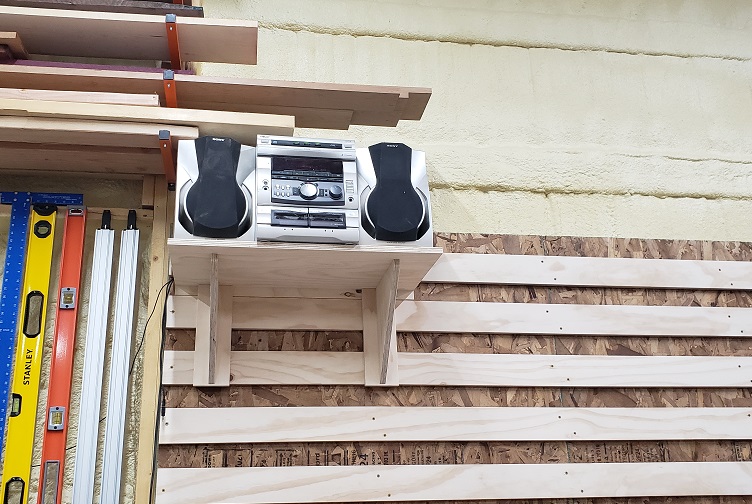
394 194
214 201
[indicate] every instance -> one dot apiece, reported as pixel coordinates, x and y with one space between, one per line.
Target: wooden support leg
152 344
211 359
380 331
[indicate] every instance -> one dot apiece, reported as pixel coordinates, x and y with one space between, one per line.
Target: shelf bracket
173 43
211 359
170 88
168 156
380 331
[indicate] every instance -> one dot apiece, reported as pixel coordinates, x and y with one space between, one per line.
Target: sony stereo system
302 190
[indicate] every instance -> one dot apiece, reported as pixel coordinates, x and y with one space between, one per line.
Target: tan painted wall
588 118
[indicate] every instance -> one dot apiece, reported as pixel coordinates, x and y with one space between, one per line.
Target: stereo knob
335 192
308 191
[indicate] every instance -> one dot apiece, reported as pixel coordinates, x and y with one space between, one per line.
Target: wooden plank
57 159
39 131
239 126
129 36
453 482
283 314
14 43
146 100
386 302
591 272
270 368
211 360
314 105
147 192
394 423
482 370
371 360
290 265
485 318
126 6
521 318
152 346
520 370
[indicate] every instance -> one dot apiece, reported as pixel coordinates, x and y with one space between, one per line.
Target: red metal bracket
168 155
170 90
171 26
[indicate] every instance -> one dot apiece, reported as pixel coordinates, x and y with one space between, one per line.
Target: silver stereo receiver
306 190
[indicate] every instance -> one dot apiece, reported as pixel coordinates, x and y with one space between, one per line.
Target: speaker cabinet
215 180
394 198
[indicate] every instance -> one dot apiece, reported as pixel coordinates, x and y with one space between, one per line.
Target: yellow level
28 362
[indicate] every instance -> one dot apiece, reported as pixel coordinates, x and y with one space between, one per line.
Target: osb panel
187 396
439 453
494 452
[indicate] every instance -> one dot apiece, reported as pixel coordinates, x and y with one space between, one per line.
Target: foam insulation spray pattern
121 344
91 394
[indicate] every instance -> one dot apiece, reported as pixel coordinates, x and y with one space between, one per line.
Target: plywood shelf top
314 105
298 265
59 32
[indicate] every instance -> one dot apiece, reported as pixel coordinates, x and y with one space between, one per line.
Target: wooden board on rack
147 100
451 482
394 423
591 272
43 145
125 6
314 105
243 127
129 36
294 265
533 318
72 132
470 370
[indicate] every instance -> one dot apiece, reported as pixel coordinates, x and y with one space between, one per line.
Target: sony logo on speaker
391 145
218 139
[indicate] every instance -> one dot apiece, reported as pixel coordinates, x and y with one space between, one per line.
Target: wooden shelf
384 275
314 105
42 145
127 6
242 127
298 265
59 32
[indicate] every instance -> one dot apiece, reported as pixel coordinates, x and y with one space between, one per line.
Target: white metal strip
490 370
590 272
252 485
379 423
91 393
117 394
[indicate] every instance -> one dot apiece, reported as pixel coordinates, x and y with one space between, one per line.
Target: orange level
61 370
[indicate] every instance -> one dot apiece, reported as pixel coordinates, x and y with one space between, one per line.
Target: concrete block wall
587 118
